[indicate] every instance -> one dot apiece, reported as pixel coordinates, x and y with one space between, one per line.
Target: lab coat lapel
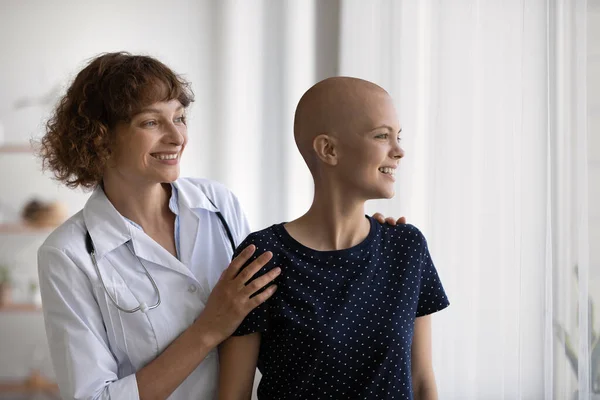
146 248
189 224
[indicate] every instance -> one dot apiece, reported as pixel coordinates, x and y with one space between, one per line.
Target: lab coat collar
146 248
106 226
110 230
190 195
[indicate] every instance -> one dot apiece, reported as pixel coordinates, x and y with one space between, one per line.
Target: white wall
44 43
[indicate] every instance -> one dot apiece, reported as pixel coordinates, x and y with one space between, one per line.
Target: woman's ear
324 146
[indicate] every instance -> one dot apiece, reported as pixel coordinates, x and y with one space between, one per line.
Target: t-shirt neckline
321 254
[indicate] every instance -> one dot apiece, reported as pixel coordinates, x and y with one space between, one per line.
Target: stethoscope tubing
143 307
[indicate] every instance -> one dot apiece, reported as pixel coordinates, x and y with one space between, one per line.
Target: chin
169 178
387 191
388 194
381 193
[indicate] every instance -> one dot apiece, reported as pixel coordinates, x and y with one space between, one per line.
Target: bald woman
351 318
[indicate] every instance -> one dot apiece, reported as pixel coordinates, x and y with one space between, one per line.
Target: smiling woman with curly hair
136 287
111 89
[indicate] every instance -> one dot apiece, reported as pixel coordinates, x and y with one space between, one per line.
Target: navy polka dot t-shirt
340 325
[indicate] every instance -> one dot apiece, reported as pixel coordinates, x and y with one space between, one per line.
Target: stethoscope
143 307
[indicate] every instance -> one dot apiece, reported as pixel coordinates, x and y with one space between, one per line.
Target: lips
165 156
388 170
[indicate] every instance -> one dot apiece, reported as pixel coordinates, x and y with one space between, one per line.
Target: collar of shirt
189 195
109 229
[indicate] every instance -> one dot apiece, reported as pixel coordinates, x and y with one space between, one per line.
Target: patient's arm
237 357
423 378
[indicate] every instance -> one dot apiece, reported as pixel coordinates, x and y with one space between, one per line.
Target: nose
397 151
175 134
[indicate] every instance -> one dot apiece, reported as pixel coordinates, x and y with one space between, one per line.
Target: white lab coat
96 349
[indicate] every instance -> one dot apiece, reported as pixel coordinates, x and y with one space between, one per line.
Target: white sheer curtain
265 55
492 99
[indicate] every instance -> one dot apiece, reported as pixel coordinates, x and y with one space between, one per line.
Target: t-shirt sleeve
258 319
432 297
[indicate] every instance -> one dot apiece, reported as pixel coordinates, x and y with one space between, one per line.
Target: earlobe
324 147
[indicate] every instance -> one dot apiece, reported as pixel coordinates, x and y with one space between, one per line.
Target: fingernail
278 270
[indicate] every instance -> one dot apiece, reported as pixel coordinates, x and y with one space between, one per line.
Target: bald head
336 106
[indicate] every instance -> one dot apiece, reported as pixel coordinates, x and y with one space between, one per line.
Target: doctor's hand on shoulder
232 297
389 220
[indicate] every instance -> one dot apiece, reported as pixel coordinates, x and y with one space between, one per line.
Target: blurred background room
499 101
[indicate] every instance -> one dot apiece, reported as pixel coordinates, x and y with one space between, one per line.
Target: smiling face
368 153
348 132
148 148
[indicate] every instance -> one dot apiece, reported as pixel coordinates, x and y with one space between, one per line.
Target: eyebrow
389 128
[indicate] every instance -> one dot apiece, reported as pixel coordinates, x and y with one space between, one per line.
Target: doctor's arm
238 356
227 305
84 364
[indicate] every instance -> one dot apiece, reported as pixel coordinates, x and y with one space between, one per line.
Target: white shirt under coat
96 348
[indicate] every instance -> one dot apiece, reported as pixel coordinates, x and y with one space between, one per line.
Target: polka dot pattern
340 325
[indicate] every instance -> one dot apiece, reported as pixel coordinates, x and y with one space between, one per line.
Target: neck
334 221
145 204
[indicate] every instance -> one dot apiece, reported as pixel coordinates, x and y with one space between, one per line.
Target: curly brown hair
112 88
